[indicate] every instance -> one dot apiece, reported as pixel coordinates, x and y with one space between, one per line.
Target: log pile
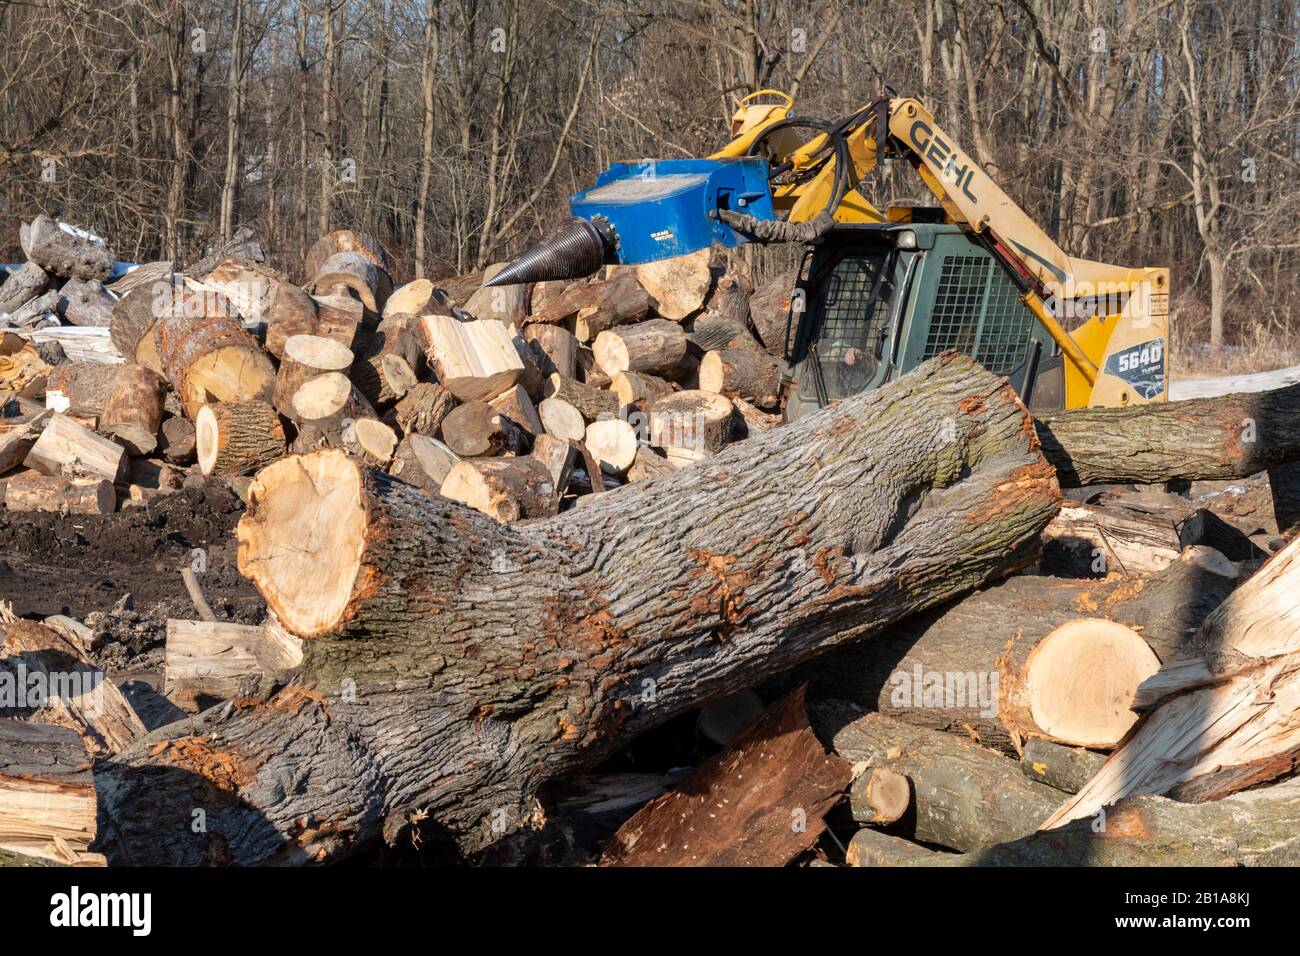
505 534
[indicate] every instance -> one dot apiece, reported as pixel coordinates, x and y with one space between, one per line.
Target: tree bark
453 664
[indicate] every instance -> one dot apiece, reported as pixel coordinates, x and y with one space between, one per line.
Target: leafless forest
453 130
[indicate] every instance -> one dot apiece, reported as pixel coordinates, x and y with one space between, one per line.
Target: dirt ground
119 574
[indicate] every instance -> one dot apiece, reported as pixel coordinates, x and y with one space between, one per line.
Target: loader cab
879 299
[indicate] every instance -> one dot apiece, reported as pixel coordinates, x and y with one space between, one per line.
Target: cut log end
301 539
1081 679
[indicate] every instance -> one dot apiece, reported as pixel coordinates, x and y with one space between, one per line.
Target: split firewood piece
621 297
80 388
545 292
1204 527
371 441
133 411
592 403
423 409
507 489
965 797
760 802
1223 716
880 796
656 345
620 301
67 448
558 347
290 311
47 793
29 281
33 491
134 323
86 302
712 332
143 276
587 474
1228 436
1095 540
177 442
16 443
873 848
349 270
237 438
247 285
515 404
691 424
561 419
459 288
383 552
207 661
613 443
339 317
678 285
649 464
304 358
476 429
66 251
638 389
423 461
40 312
977 668
415 298
769 311
755 419
505 303
1066 768
81 695
323 408
389 360
743 373
207 355
559 457
474 360
724 319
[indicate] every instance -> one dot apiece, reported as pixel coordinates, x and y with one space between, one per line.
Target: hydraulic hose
770 230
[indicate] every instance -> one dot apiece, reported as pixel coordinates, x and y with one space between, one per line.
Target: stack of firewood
513 400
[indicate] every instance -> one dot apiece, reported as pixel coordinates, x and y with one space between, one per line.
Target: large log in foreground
452 664
1229 436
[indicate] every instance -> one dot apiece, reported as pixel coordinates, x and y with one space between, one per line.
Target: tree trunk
530 651
921 671
1158 832
1229 436
965 797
